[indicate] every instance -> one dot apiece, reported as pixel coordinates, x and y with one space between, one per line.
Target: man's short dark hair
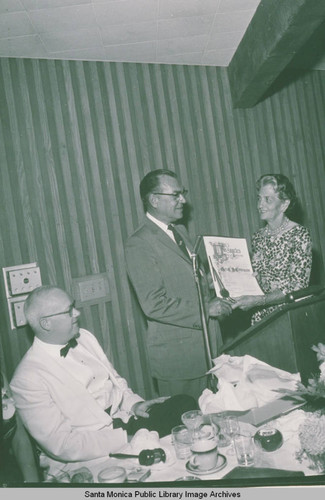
151 182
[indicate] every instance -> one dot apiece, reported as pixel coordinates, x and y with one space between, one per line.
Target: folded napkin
289 424
144 440
245 382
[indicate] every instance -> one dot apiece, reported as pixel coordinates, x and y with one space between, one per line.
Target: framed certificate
231 267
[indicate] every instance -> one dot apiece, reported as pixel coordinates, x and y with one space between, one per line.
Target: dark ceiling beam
278 29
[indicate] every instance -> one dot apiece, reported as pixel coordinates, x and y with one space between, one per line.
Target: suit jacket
59 412
163 280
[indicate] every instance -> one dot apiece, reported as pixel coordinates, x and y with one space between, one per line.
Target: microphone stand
196 272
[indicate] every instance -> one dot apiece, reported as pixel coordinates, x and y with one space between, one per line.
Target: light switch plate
19 282
18 311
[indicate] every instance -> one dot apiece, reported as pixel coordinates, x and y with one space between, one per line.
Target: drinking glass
232 429
218 420
193 420
245 449
182 438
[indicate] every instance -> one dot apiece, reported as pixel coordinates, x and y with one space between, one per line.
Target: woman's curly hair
282 186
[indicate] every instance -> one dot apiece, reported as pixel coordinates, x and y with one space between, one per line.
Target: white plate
221 463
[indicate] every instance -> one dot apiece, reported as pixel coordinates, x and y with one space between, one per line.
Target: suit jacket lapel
167 241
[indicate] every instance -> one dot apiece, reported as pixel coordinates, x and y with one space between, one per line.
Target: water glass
232 429
193 419
232 425
182 438
245 449
219 422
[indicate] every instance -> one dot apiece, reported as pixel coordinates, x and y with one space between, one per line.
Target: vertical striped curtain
77 137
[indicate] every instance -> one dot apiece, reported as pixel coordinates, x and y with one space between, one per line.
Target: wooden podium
284 338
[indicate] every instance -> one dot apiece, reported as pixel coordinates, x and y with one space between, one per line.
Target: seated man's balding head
50 312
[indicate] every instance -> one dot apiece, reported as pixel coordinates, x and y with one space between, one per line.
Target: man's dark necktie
70 345
179 240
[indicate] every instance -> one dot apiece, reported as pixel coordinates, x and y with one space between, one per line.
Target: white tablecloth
283 458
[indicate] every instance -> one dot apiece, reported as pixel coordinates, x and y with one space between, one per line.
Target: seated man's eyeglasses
69 311
177 195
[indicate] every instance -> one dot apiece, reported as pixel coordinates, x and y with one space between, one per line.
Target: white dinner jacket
60 414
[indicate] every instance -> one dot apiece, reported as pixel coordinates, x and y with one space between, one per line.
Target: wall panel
77 137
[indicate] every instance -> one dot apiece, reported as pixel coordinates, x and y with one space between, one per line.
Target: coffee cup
204 454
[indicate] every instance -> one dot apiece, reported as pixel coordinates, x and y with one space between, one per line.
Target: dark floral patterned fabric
281 262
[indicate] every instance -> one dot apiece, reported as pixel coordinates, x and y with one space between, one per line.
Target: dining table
284 461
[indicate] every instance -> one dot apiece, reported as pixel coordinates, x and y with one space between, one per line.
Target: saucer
221 463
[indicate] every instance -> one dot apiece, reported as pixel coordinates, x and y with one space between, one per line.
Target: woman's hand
246 302
219 307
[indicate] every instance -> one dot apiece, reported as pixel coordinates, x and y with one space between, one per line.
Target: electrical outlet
91 289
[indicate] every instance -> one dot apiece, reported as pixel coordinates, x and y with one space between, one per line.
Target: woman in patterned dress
281 250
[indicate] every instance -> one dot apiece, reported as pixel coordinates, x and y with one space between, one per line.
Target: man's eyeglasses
177 195
69 311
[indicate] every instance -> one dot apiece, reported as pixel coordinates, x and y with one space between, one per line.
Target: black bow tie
70 345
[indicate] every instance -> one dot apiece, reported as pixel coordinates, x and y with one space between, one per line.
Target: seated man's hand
219 307
141 408
246 302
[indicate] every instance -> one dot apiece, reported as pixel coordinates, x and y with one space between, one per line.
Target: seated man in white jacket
69 396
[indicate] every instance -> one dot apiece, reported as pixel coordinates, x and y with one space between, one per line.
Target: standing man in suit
160 270
69 396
